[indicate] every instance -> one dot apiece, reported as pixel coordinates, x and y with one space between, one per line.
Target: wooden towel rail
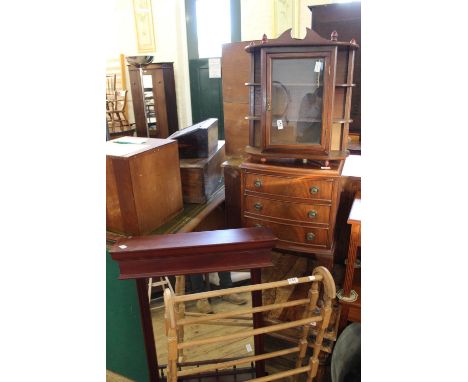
316 312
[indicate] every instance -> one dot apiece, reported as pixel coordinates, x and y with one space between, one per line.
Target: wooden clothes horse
321 284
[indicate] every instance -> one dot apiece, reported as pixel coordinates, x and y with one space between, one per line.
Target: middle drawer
294 187
307 213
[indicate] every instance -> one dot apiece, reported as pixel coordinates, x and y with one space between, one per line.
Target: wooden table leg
147 326
256 278
354 242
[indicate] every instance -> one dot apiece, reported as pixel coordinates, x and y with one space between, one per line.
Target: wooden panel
236 63
138 101
193 252
143 187
346 20
236 72
232 183
171 107
308 213
159 103
157 187
292 233
199 140
339 103
113 212
201 177
341 66
236 130
193 189
292 187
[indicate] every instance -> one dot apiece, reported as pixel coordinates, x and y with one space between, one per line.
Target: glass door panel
296 101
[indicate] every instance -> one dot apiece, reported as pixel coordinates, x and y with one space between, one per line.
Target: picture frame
285 16
144 27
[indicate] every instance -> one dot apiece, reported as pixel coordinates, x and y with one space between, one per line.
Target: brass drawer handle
314 190
258 206
310 236
312 214
258 183
258 225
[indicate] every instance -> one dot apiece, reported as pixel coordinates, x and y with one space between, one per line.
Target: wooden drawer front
307 213
317 237
304 188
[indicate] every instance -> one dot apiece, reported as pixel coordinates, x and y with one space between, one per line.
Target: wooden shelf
312 120
342 121
300 84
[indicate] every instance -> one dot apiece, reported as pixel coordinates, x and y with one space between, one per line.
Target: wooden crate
201 177
143 186
198 141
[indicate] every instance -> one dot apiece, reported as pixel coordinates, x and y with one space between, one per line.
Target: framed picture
144 26
286 15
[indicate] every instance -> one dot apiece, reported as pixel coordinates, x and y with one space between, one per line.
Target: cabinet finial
334 36
264 39
353 41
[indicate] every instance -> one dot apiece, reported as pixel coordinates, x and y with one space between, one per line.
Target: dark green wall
125 348
206 93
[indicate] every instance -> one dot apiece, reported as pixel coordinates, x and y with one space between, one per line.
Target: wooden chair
316 311
116 102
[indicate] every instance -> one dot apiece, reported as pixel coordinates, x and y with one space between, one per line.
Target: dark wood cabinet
300 97
298 202
346 20
154 99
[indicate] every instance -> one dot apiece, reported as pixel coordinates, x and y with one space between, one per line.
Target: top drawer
296 187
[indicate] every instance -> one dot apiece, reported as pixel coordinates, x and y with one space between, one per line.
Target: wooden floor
222 350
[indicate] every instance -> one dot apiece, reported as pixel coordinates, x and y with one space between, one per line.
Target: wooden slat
248 333
248 288
283 374
210 317
224 365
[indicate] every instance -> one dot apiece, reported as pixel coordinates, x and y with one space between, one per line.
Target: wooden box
198 141
143 187
201 177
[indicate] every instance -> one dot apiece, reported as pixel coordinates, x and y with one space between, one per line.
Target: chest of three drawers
299 205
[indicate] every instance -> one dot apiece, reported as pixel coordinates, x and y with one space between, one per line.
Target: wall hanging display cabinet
154 99
300 97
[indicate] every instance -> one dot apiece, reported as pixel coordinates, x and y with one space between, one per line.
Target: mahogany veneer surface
297 202
143 186
194 252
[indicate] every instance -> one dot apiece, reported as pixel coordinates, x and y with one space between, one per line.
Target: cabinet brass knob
312 214
258 225
258 206
314 190
310 236
258 183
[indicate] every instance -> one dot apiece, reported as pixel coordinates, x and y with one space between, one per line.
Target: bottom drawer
316 237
